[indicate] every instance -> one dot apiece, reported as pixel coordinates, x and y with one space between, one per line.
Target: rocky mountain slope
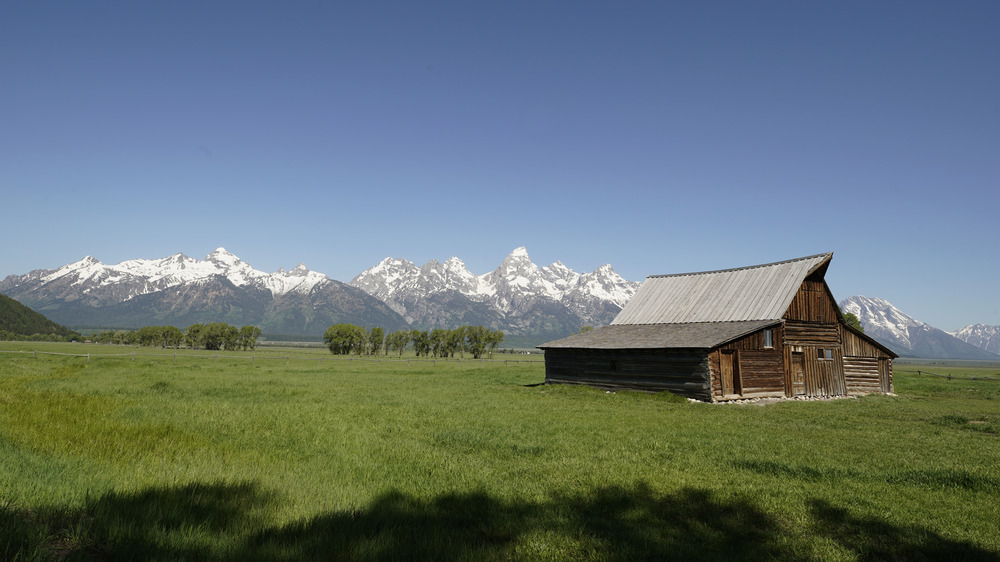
517 297
906 335
980 335
179 290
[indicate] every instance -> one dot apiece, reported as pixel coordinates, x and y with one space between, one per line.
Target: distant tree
852 321
476 340
193 336
421 342
343 339
172 336
439 342
585 329
493 339
376 339
456 341
397 342
248 337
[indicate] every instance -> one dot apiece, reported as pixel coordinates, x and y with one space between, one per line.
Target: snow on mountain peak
221 256
883 320
982 336
520 252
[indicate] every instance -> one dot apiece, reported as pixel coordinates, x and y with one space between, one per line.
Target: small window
822 353
614 365
768 339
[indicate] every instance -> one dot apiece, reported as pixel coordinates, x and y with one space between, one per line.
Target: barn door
730 367
798 373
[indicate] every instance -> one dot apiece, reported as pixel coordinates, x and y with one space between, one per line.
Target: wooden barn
770 330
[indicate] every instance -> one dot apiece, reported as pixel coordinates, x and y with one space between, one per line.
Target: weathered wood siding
823 377
867 367
861 374
811 325
680 371
760 370
813 303
816 335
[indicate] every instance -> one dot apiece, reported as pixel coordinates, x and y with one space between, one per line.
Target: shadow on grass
221 522
870 538
932 478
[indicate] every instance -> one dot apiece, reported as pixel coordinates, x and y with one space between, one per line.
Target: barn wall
760 371
682 372
813 303
867 367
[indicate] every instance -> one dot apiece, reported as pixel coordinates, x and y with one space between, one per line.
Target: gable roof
753 293
694 335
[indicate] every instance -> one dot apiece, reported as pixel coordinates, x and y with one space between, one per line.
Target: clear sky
660 137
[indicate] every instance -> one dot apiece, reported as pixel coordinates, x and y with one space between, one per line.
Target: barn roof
753 293
696 335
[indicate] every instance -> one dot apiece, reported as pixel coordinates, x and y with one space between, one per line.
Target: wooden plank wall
885 374
862 375
682 372
816 335
877 365
813 303
761 370
856 346
823 377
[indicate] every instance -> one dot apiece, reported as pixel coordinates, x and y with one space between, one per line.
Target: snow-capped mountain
181 290
906 335
99 284
518 296
980 335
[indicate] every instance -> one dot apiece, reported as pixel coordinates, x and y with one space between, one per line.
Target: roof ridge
814 256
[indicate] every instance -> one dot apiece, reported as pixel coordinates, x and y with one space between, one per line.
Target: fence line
287 358
949 376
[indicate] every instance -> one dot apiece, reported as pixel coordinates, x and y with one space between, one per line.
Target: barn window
614 365
824 353
768 339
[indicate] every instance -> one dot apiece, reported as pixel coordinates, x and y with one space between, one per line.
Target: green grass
223 458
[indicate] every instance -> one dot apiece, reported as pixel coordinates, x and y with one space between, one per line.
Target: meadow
286 457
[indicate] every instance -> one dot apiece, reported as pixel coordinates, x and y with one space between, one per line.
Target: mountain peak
222 256
520 252
902 332
86 261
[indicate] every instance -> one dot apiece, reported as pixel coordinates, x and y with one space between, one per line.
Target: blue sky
660 137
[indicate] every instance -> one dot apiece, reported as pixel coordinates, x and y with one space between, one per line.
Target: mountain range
908 336
518 297
179 290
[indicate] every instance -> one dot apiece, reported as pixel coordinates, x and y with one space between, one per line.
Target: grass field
289 459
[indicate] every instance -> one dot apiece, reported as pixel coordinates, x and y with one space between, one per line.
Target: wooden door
730 366
798 373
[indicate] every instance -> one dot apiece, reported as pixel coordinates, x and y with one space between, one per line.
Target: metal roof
699 335
758 292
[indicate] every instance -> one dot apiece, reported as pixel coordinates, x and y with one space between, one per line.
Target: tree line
213 336
346 339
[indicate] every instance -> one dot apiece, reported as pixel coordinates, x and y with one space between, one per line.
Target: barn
771 330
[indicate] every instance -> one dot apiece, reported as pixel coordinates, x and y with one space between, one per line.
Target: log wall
680 371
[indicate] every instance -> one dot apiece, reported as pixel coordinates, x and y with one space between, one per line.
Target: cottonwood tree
343 339
248 337
376 339
397 341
